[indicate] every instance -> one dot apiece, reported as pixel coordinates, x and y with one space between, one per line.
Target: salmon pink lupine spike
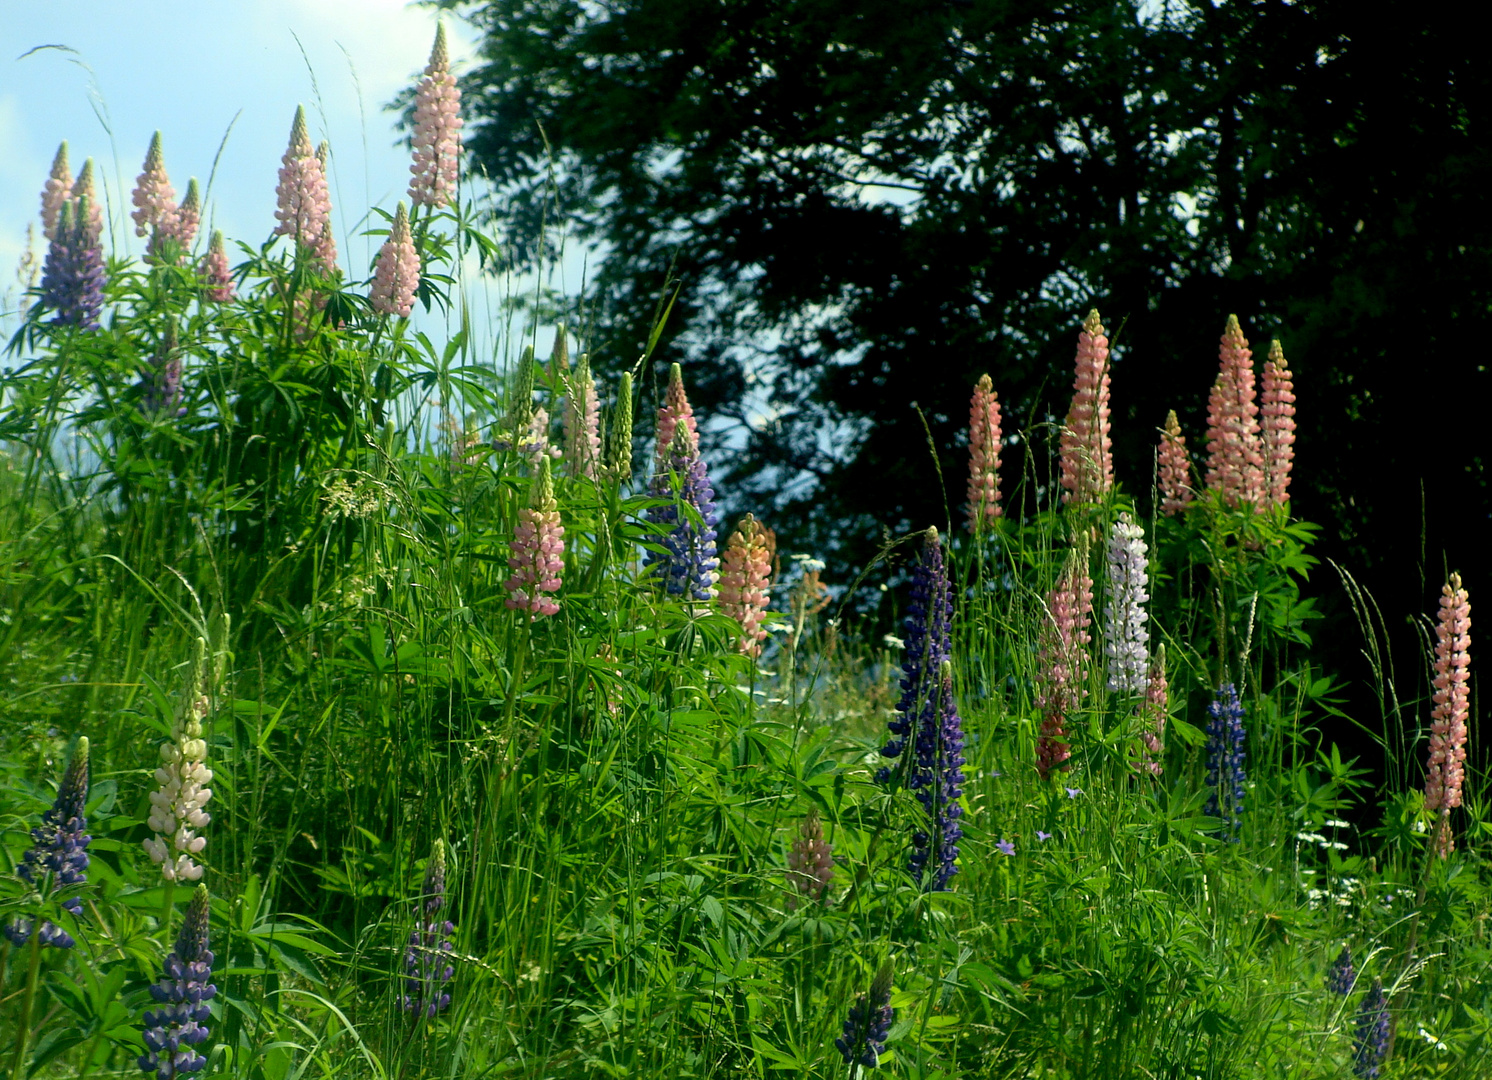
810 863
1277 410
1174 465
583 422
675 408
397 274
1153 715
303 203
216 275
437 130
154 198
1087 457
55 192
1235 453
536 552
746 581
984 455
189 215
1445 770
1064 640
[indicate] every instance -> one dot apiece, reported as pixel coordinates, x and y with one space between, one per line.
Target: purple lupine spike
691 567
173 1032
427 957
937 778
1225 755
928 641
58 858
162 380
1370 1045
868 1024
72 278
1341 975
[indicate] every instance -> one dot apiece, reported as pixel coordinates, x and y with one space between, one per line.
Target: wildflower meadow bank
381 706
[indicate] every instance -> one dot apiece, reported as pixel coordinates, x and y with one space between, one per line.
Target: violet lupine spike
428 963
1235 453
869 1022
583 423
1342 974
153 197
1174 466
938 777
536 552
72 280
303 203
675 408
984 455
810 863
162 380
397 274
1445 770
1153 715
1370 1042
174 1032
1277 423
691 565
58 857
437 130
216 274
746 581
1127 641
1087 461
929 642
1062 655
1225 756
55 192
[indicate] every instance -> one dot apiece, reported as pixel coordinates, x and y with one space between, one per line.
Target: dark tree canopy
871 203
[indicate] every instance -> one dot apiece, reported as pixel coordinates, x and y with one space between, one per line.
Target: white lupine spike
1127 641
177 816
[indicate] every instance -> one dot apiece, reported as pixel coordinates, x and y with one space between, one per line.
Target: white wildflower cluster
1128 641
177 816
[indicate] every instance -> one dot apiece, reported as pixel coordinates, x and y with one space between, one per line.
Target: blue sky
187 69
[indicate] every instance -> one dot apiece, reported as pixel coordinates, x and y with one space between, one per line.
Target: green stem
167 911
17 1068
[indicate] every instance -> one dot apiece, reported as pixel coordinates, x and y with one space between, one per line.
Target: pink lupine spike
1278 423
437 130
536 552
84 194
1235 454
984 455
1063 652
582 422
675 408
810 863
397 275
217 277
188 215
1445 771
303 203
1153 715
154 198
1174 465
745 586
56 191
1087 457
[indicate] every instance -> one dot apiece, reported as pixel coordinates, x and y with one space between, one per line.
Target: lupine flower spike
984 455
1370 1045
1277 420
72 279
188 215
162 379
56 191
746 581
58 857
1235 453
1225 754
177 817
175 1032
1087 461
690 567
303 203
619 440
1153 716
397 274
154 198
1174 465
1127 641
216 275
537 551
437 130
938 778
928 643
583 422
1063 651
427 957
1342 974
869 1022
810 863
1445 770
93 214
675 408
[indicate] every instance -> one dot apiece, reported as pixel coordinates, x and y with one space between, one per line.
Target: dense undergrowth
289 517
